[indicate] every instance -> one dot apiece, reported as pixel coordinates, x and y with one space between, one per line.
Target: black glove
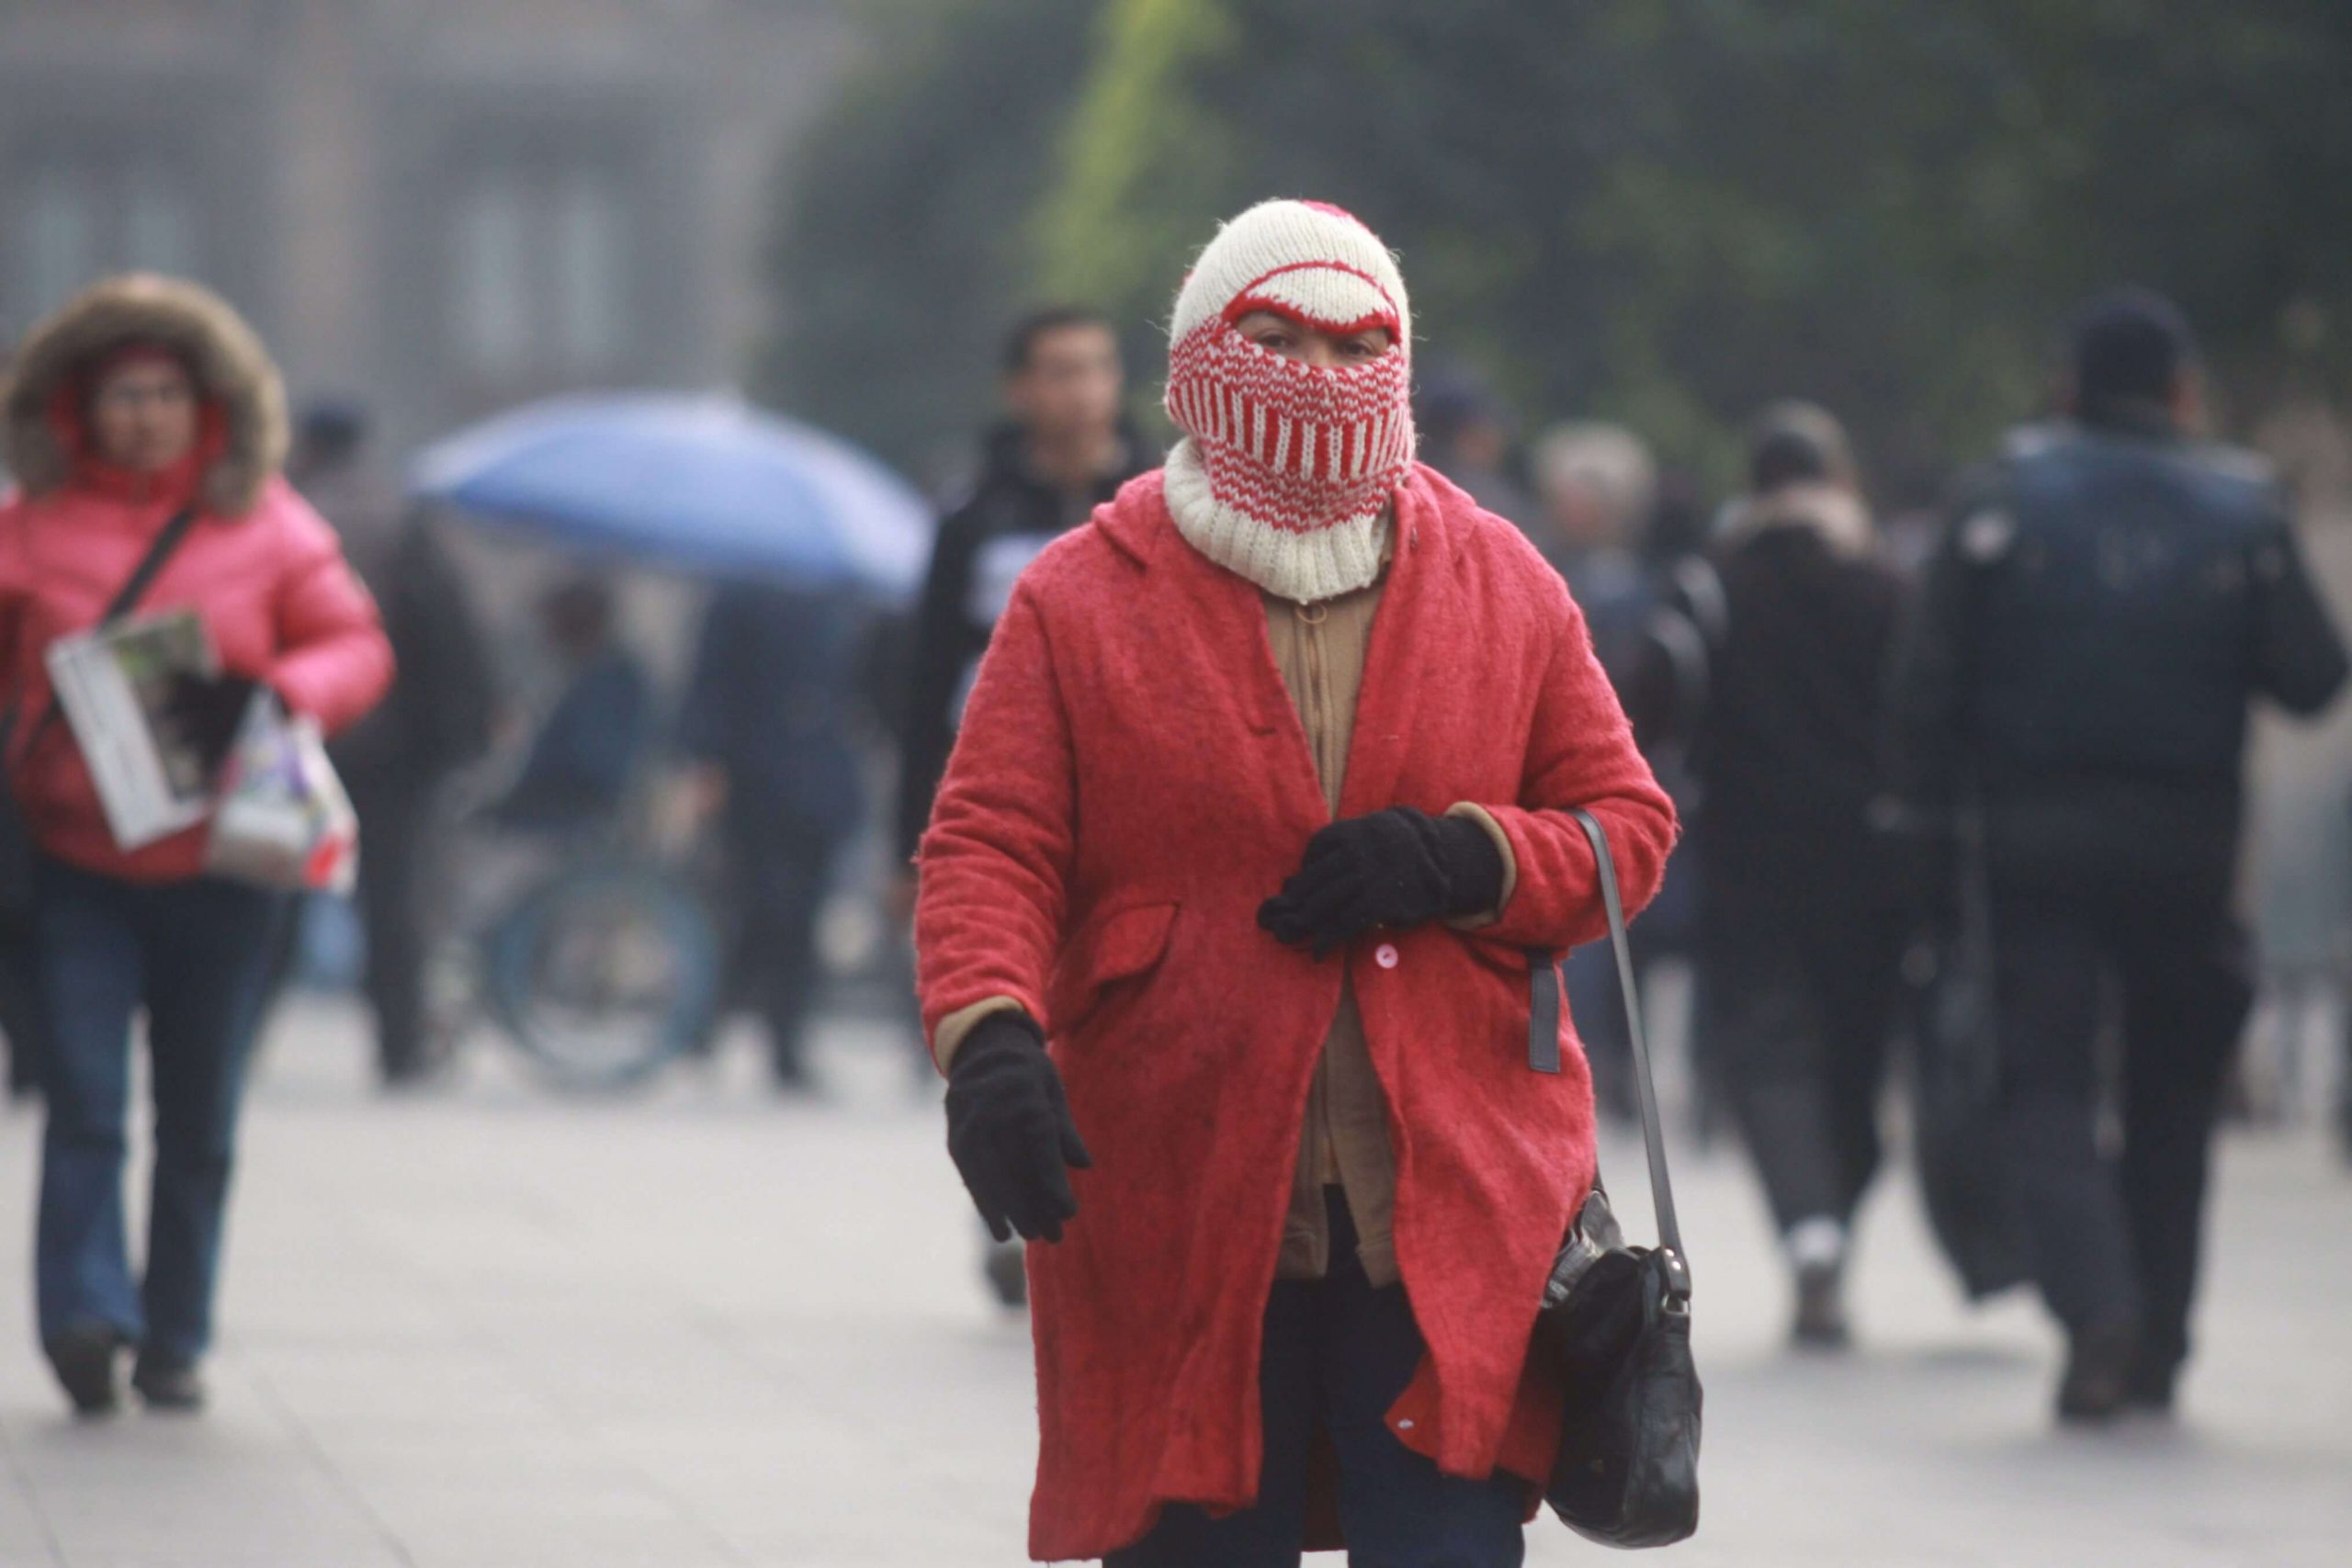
203 714
1009 1132
1398 868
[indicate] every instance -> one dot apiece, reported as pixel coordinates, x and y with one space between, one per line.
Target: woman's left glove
1009 1132
1398 868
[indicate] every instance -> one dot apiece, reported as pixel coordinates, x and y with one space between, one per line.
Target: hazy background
1661 211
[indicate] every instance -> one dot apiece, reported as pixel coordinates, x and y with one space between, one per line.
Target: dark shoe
2152 1387
791 1076
420 1069
1821 1323
84 1359
2099 1364
168 1384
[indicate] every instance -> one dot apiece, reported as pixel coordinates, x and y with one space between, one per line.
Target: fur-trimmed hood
233 372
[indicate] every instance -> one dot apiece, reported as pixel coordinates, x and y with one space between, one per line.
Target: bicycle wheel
604 974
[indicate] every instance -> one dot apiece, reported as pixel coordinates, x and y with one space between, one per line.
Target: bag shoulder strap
1543 1047
142 576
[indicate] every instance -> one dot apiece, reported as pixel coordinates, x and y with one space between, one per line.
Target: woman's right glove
1398 868
1009 1130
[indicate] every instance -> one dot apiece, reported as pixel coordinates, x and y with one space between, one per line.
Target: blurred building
441 206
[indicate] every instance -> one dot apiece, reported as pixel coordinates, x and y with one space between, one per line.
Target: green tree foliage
1672 210
898 252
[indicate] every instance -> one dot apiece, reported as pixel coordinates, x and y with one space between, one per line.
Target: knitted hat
1287 468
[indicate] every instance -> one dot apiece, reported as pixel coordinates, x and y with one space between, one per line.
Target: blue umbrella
699 484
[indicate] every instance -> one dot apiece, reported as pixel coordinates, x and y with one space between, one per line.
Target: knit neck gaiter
1286 474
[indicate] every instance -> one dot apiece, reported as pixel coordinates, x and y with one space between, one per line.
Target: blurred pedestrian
397 761
585 754
21 1026
146 425
766 720
1064 451
1801 923
2344 1070
1597 483
2111 592
1466 433
1256 816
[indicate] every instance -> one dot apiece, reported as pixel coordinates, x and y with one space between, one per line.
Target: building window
79 216
158 234
493 283
592 252
541 261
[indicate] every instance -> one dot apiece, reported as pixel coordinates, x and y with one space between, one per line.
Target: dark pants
195 955
782 870
395 850
1337 1353
2114 1240
1801 995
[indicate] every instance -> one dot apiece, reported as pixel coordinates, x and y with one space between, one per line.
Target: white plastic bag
284 819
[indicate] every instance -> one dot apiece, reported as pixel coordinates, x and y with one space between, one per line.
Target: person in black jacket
2109 596
1800 935
1064 452
395 762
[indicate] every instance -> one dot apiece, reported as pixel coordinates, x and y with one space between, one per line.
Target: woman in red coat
144 399
1225 915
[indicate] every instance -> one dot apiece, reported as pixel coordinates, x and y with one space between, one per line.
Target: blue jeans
195 955
1338 1353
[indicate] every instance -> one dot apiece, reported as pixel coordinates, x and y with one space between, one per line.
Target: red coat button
1385 956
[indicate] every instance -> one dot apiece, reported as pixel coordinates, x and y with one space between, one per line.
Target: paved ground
490 1329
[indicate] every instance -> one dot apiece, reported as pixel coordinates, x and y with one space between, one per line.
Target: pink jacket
272 588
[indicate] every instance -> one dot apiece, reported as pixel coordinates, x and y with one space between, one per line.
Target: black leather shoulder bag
1615 1323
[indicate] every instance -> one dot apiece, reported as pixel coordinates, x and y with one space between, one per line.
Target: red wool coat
1130 783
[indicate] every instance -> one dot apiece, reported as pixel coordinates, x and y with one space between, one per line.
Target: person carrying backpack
1785 633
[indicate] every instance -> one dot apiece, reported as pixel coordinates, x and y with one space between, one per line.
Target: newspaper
111 685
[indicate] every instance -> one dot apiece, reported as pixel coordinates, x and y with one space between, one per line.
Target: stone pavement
494 1329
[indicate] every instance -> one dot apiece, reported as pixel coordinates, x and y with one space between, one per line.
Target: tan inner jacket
1320 649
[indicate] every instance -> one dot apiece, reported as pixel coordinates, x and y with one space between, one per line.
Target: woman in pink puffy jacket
144 400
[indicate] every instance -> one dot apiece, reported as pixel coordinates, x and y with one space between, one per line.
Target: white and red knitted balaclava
1286 471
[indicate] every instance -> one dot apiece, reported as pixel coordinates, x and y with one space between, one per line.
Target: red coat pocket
1118 945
